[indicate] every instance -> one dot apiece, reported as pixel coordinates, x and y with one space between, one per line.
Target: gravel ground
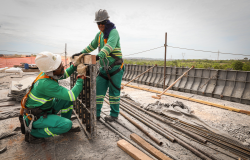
77 146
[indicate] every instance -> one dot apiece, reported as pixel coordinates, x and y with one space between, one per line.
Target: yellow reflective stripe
48 132
91 47
67 109
67 75
109 47
87 50
105 51
72 96
41 100
117 49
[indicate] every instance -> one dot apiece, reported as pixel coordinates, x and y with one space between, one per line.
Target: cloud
207 25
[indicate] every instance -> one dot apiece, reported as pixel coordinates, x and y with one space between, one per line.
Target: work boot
35 140
98 118
110 118
75 129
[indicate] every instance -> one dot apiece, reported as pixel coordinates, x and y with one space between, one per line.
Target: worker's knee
66 126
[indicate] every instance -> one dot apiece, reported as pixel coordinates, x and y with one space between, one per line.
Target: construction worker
111 70
47 98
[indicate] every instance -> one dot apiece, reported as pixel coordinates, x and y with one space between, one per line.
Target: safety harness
32 114
118 61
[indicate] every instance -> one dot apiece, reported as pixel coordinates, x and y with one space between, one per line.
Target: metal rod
159 95
124 137
165 59
197 137
179 141
139 127
122 87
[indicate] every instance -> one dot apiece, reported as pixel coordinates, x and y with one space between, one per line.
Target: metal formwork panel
136 71
246 93
132 72
229 86
204 80
125 72
211 83
220 85
161 80
190 81
139 71
154 74
167 76
128 72
240 83
146 75
172 76
85 104
183 81
197 81
178 74
143 68
158 76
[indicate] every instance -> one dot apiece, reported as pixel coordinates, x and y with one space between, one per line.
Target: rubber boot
75 129
34 140
110 118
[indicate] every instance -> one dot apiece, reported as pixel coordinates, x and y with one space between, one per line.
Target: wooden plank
11 103
88 59
132 151
152 150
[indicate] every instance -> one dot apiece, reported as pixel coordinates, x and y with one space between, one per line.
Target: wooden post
165 59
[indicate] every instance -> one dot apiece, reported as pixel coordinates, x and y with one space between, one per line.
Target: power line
144 51
206 51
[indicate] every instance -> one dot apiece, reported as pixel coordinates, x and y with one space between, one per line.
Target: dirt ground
77 146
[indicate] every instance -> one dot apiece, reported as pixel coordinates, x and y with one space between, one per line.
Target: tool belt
118 61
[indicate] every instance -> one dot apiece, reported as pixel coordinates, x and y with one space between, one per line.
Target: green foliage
246 67
221 64
237 65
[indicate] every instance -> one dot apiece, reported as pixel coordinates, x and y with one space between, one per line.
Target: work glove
78 60
77 54
97 58
81 70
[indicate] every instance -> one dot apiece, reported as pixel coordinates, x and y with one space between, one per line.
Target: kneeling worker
46 98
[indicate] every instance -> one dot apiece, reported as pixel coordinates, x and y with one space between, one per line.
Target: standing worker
111 70
46 98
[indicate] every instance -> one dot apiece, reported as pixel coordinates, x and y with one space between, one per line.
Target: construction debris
18 89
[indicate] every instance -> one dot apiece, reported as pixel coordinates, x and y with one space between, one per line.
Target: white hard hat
47 61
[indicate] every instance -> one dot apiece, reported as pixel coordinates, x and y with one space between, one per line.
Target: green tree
237 65
246 67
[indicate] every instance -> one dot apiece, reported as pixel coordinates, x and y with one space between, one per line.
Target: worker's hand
81 70
82 77
97 58
77 54
78 60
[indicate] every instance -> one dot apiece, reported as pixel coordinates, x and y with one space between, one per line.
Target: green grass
243 65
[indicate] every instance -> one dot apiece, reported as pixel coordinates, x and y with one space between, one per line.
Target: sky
211 25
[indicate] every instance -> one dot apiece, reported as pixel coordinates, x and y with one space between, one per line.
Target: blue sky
212 25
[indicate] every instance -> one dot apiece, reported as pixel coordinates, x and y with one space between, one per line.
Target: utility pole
218 55
165 59
183 54
66 54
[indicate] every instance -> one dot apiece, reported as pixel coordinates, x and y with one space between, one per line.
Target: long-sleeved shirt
46 89
112 46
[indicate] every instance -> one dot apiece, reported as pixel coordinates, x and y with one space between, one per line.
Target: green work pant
114 95
54 125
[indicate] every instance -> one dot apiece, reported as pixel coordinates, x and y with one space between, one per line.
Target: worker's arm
68 71
92 46
110 45
53 89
